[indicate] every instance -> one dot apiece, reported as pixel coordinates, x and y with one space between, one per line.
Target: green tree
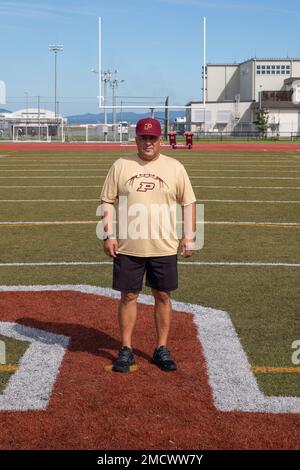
261 120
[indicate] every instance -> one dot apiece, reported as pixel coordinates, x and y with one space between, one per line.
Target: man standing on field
147 183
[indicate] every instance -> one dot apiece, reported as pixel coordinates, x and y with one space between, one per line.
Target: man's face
148 146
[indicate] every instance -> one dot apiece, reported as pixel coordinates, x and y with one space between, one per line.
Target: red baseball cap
148 126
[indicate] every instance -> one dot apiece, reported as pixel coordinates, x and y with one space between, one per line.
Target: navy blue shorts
161 272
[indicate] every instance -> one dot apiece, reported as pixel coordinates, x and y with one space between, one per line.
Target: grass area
262 301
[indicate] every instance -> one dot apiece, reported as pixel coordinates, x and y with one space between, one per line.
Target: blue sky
155 45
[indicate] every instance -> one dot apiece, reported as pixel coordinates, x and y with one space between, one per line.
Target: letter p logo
146 186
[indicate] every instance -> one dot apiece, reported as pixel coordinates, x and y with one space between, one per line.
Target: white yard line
52 177
245 201
183 161
243 177
240 169
192 177
225 222
43 165
46 171
194 186
198 200
48 200
206 222
244 187
192 170
191 263
54 186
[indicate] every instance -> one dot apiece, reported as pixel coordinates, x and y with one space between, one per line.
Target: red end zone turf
90 408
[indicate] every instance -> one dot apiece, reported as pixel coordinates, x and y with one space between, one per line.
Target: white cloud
38 10
223 5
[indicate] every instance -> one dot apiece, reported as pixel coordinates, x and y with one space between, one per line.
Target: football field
249 266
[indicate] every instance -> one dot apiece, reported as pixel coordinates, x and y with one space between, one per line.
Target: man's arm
110 245
187 244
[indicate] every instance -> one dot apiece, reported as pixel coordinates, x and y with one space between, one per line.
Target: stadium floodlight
56 48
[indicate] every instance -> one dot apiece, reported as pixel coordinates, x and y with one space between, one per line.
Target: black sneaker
124 360
162 358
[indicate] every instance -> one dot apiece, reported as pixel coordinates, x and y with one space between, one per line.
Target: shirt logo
147 186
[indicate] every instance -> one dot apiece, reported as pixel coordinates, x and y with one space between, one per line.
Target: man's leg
127 318
162 316
127 313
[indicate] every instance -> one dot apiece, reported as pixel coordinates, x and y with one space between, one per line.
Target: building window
273 69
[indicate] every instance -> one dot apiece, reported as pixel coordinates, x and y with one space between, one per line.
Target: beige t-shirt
147 194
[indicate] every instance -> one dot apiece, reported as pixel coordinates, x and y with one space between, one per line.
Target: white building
235 91
33 123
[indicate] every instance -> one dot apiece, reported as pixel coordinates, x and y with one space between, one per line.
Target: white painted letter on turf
2 352
296 354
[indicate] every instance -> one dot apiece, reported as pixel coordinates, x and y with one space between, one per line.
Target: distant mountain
4 110
130 117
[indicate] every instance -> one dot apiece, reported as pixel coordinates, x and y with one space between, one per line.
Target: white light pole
204 61
56 49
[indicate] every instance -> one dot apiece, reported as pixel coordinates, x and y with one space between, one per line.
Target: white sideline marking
233 384
30 387
196 263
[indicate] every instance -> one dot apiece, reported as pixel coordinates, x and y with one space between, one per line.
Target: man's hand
187 247
110 247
